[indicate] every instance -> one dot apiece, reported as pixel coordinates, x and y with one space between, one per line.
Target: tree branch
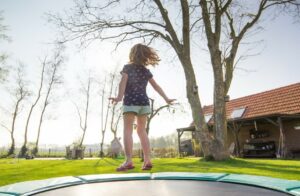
169 26
206 19
79 114
225 7
251 23
185 26
5 127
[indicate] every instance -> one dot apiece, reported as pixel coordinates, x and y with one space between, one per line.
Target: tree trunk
35 149
86 110
24 148
220 121
101 145
11 150
235 131
107 111
212 148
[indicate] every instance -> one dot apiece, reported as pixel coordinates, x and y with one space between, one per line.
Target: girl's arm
122 86
160 91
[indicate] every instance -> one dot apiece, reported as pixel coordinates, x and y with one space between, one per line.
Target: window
207 117
238 112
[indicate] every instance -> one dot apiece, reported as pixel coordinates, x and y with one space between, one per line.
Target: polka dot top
135 91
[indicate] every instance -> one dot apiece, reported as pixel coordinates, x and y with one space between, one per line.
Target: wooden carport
277 109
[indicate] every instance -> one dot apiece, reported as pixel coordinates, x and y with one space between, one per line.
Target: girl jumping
135 77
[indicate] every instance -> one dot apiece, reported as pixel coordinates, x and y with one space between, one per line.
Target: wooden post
236 130
180 132
282 146
277 124
255 125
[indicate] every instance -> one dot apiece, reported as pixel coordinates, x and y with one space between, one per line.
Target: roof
280 101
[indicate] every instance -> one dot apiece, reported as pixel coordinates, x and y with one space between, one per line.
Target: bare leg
128 141
141 130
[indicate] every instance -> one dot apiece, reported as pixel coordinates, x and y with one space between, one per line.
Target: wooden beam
291 116
272 122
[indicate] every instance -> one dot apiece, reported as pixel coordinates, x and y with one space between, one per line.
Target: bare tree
155 112
226 24
153 20
115 145
24 148
54 79
105 118
116 115
116 109
19 94
83 118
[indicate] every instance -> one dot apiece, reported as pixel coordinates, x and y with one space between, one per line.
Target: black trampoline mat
161 188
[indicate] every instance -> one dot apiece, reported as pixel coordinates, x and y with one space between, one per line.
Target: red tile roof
283 100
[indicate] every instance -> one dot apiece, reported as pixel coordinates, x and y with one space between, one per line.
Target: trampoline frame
27 188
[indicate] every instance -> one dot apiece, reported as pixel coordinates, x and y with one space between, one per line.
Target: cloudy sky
277 64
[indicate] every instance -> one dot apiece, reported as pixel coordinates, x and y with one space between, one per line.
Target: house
265 124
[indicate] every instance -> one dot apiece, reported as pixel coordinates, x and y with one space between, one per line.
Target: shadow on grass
238 166
111 162
276 168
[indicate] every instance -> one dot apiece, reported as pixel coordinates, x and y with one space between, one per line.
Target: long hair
143 55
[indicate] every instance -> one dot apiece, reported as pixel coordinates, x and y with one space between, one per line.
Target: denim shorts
137 109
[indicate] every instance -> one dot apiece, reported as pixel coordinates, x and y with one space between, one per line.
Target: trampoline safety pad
165 183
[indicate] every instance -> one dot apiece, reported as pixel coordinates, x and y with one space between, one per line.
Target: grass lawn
13 170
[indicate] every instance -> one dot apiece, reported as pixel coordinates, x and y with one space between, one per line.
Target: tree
155 111
83 119
116 114
54 79
19 94
156 22
105 118
24 148
226 24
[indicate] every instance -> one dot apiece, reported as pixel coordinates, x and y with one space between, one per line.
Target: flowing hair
143 55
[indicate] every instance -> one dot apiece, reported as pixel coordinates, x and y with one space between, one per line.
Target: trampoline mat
161 187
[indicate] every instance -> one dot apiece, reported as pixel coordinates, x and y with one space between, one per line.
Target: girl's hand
170 101
115 100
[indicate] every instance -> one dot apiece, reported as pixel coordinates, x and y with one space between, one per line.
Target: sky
276 65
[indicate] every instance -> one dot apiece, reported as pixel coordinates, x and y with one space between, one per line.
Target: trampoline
146 184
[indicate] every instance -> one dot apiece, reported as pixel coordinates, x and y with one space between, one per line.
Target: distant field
14 170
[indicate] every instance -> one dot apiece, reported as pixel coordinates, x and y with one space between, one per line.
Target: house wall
292 135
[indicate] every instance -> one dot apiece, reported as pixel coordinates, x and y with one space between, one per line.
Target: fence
60 152
54 152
